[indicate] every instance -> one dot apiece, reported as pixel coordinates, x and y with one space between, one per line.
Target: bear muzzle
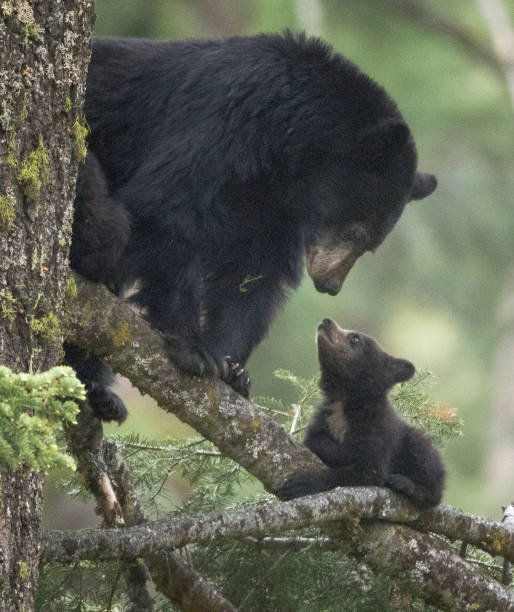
329 268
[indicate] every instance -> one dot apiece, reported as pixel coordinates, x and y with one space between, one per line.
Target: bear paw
305 483
106 405
237 377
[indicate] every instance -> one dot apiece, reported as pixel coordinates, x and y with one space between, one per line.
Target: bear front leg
236 320
97 378
101 227
172 297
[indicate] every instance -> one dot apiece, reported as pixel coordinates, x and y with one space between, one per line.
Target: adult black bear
215 166
356 432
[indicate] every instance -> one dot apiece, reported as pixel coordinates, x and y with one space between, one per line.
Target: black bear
356 432
214 167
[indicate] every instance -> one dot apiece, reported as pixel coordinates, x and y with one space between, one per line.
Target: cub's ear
400 370
381 142
424 185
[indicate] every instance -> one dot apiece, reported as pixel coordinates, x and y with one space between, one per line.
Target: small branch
297 411
294 544
169 449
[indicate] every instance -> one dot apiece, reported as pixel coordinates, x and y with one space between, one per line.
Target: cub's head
353 365
360 193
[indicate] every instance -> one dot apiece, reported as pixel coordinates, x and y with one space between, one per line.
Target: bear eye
354 339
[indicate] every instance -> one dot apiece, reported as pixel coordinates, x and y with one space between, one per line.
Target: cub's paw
236 376
304 483
420 496
106 405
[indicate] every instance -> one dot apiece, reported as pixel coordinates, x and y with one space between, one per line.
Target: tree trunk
44 52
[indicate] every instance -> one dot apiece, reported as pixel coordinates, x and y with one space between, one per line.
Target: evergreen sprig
33 408
412 400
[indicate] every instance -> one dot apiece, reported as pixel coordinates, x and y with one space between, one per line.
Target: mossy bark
44 51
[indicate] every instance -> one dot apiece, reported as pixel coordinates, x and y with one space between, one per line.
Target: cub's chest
337 422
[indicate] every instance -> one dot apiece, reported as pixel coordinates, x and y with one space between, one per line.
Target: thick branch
421 563
236 426
349 503
491 536
425 566
139 541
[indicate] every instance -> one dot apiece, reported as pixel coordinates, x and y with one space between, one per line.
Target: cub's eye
354 339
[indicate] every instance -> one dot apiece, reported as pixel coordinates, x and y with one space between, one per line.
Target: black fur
356 432
229 161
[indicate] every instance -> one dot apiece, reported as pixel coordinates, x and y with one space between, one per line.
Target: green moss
7 214
23 570
33 172
7 305
8 7
47 327
71 288
121 335
12 155
29 29
79 134
67 104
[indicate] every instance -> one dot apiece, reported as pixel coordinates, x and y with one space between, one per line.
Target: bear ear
400 370
385 138
424 185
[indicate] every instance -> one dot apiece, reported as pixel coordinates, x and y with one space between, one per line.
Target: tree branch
419 562
348 503
239 428
244 433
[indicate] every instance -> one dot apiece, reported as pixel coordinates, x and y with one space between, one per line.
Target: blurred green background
440 291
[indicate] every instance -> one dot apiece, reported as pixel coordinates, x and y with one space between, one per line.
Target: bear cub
356 432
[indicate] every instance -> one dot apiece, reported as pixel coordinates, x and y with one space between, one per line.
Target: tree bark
44 51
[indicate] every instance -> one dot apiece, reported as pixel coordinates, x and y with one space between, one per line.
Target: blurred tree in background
440 291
